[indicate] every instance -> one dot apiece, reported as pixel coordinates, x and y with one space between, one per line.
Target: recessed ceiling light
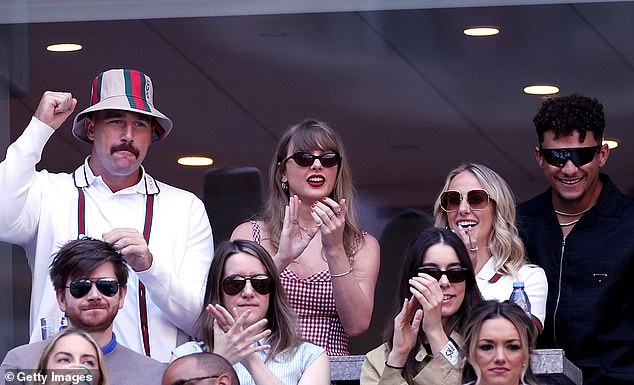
481 31
64 47
612 144
541 90
195 161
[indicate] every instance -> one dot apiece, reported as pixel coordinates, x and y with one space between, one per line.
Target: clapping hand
428 294
293 239
406 325
231 339
332 216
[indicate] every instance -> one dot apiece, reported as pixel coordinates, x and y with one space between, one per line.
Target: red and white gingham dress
313 301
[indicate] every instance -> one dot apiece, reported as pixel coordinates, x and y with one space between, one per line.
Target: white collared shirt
39 211
498 286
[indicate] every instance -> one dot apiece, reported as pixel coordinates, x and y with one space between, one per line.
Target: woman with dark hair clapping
249 323
437 291
479 206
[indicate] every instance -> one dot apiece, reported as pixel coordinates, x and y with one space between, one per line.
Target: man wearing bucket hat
161 231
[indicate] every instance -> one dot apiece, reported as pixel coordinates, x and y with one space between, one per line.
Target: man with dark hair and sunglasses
195 368
580 233
90 279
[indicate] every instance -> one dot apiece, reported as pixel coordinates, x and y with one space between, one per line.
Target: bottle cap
518 284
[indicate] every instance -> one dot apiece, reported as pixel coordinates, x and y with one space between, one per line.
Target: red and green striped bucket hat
127 90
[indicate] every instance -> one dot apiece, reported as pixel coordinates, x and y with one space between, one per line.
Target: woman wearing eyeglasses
478 205
71 353
437 292
327 265
249 322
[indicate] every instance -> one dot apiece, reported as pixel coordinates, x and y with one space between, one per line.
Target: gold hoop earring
285 186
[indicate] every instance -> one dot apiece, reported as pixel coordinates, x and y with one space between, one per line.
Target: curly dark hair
565 114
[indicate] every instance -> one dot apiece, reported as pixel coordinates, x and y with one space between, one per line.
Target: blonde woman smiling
478 205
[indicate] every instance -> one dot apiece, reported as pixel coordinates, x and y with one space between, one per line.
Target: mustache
125 147
94 304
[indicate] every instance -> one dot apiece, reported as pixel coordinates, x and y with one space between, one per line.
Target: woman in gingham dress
328 265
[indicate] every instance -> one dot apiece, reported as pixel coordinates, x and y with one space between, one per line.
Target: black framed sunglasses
234 284
106 286
579 156
453 275
477 199
305 159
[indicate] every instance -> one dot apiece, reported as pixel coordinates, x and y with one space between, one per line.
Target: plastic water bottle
520 298
63 323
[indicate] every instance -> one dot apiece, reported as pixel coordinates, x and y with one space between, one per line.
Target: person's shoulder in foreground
122 364
125 366
437 370
21 357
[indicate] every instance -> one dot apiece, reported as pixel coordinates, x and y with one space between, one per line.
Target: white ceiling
410 94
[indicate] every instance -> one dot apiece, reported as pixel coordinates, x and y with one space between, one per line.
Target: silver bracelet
342 274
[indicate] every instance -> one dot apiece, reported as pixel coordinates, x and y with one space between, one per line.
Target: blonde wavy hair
505 244
42 363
